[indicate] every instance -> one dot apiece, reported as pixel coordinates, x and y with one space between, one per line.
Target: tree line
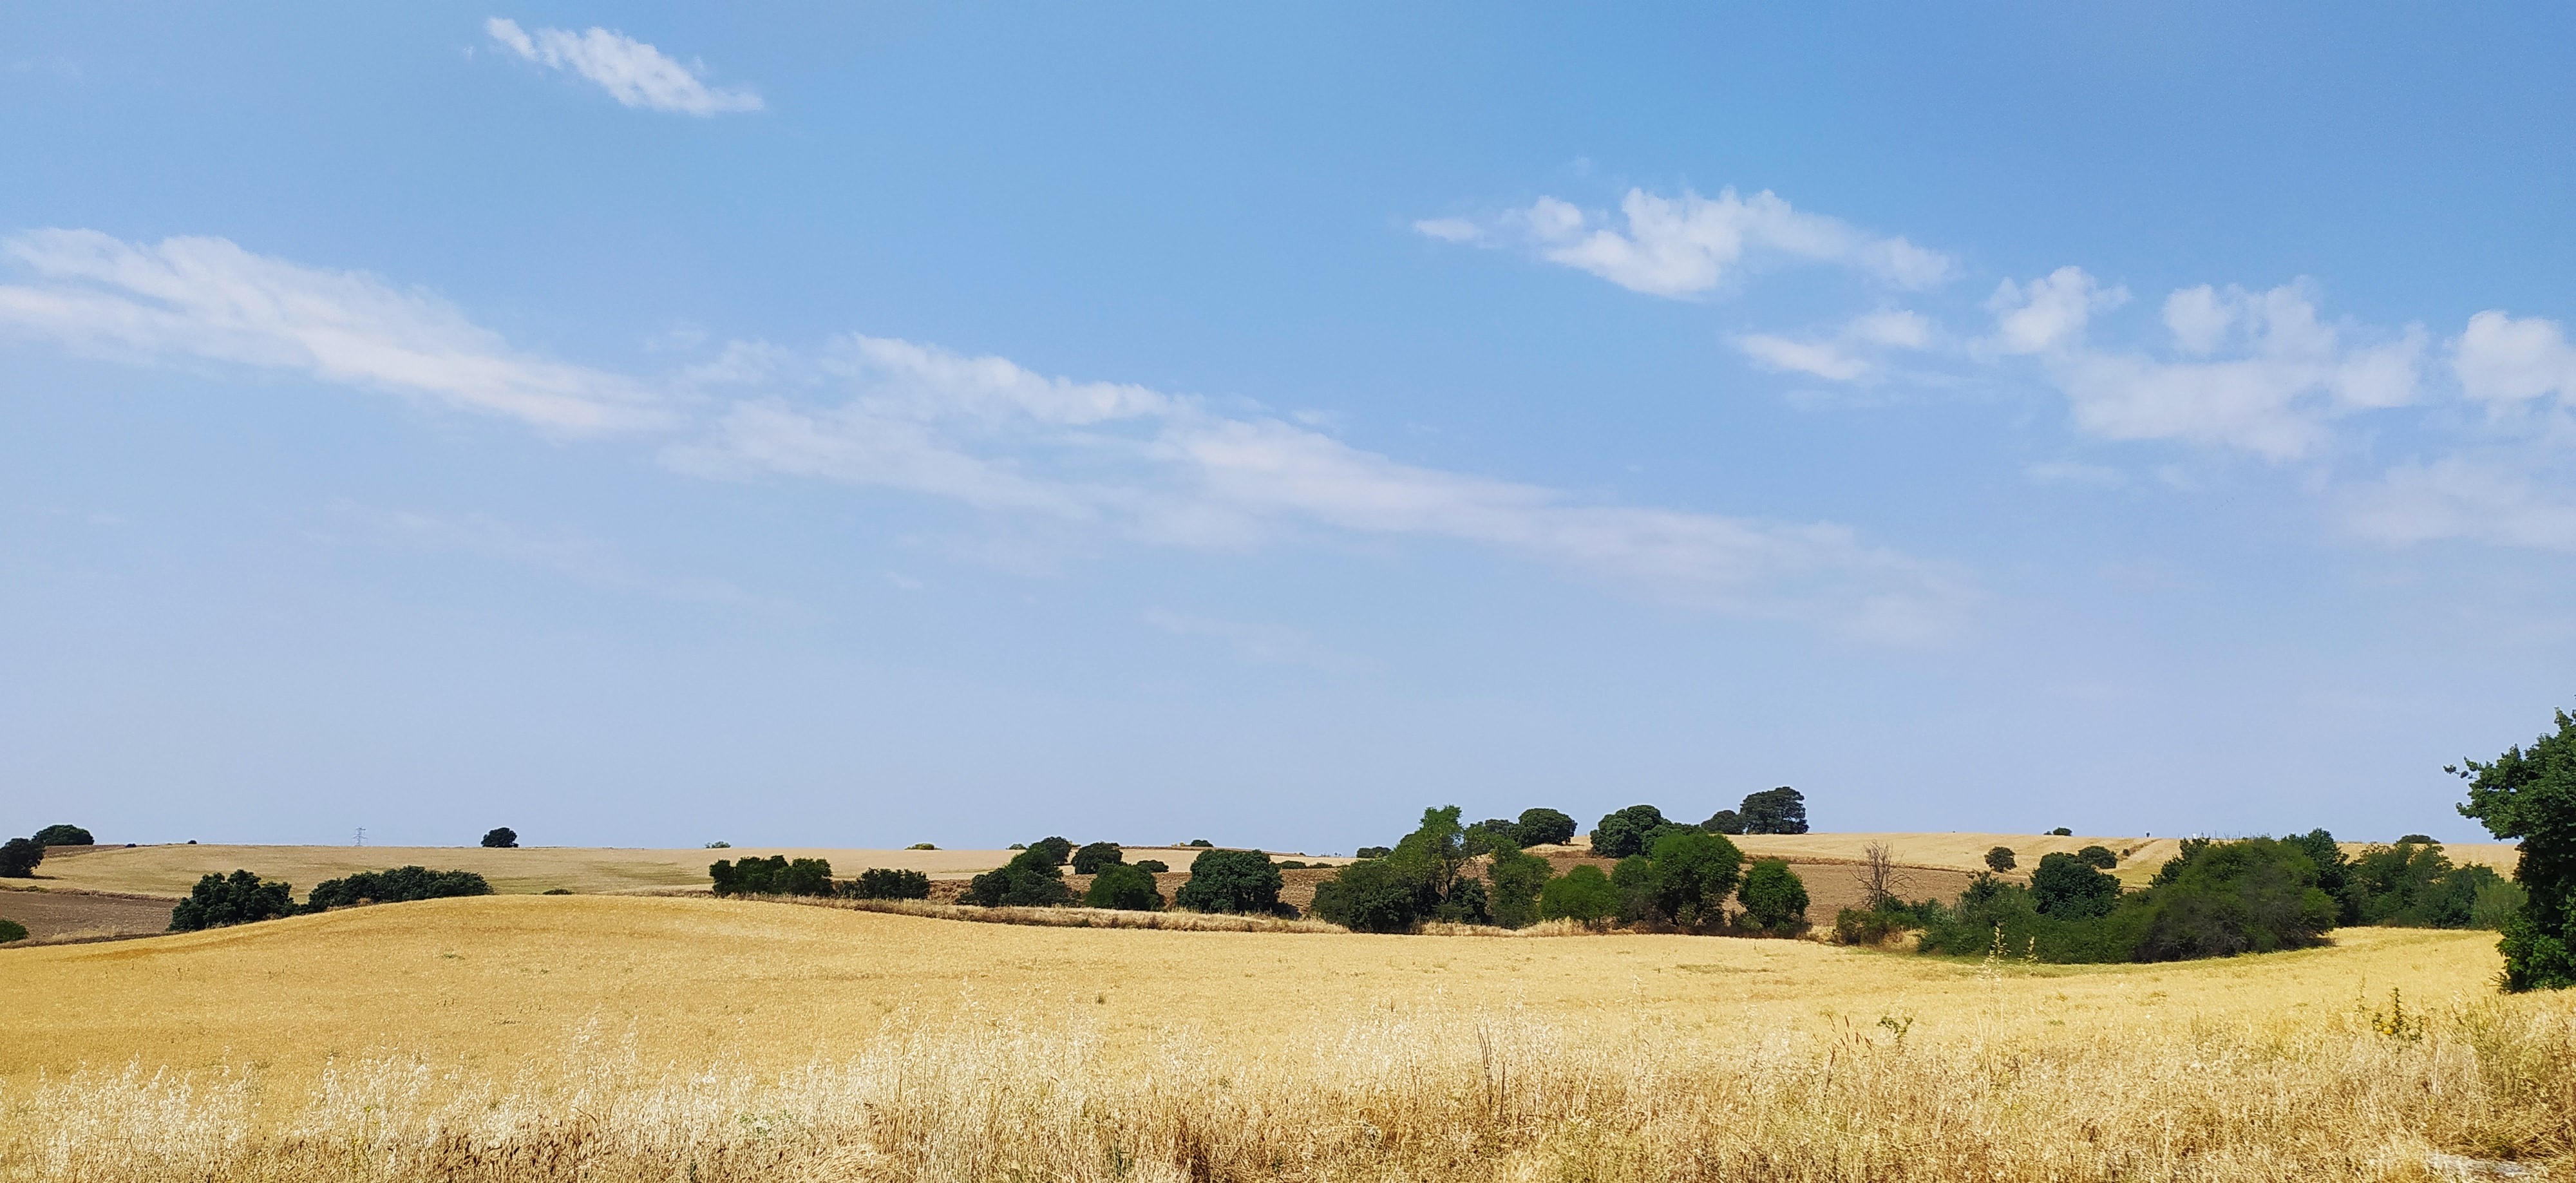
243 898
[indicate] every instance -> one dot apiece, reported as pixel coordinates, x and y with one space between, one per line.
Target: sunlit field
673 1038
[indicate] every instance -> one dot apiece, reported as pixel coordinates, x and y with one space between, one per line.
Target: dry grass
1067 917
1967 852
644 1038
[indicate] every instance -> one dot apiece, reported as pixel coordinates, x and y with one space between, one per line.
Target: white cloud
1686 245
2256 371
2490 499
2503 360
1850 354
207 299
1164 469
2075 472
1261 644
633 73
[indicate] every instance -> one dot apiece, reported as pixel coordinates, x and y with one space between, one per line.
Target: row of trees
1682 882
242 897
1623 833
2214 899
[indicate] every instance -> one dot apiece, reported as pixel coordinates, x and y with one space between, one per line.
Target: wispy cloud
1855 352
632 72
1260 644
207 299
1689 244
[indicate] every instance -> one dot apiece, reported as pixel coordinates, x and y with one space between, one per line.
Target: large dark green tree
1095 855
1692 873
1775 899
397 886
19 858
1231 881
2069 888
1125 888
1514 881
1626 832
238 898
1034 878
2529 795
1775 811
64 835
1544 827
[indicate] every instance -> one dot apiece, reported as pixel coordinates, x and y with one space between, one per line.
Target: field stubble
675 1039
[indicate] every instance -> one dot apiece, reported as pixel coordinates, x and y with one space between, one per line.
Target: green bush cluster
2411 884
1242 881
1095 855
1126 888
2215 899
775 875
1034 878
1417 879
11 930
238 898
885 883
399 885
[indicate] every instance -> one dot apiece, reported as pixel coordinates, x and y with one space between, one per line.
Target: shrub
2255 895
1370 895
1095 855
1375 851
556 891
1053 850
2061 832
1125 888
886 883
1689 876
1543 827
1724 821
772 876
1465 903
1231 881
501 838
11 930
923 846
2417 840
1626 832
239 898
1153 866
65 835
1514 882
1775 811
2000 859
2066 887
2099 857
1582 894
1201 843
1863 926
1490 835
1775 899
400 885
1029 880
19 858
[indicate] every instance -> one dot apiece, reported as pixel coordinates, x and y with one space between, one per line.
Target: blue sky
857 425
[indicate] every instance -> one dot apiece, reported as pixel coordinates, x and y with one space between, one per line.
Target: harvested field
740 1039
69 915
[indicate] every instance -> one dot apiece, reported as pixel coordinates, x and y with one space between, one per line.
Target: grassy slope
480 981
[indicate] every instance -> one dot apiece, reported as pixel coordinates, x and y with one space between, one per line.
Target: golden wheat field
619 1038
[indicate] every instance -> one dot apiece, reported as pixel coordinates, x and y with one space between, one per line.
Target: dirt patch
51 915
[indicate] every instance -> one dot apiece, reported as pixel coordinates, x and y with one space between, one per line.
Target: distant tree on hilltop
1096 855
501 838
19 858
1544 827
1622 833
1775 811
65 835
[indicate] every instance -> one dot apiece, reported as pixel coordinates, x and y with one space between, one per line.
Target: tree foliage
1544 827
1688 877
1625 832
2099 857
1095 855
1724 821
2215 899
1117 885
774 875
238 898
64 835
1242 881
1775 899
1054 850
2529 795
1581 894
11 930
1514 882
887 883
1371 895
1034 878
1775 811
2000 859
2067 887
1419 878
501 838
399 885
19 858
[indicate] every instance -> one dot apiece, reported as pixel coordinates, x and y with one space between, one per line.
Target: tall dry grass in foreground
1437 1093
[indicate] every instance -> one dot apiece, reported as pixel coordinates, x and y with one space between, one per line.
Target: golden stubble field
666 1038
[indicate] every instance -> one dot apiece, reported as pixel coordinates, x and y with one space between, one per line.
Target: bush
1582 894
1689 876
1375 851
923 846
1626 832
1154 866
2000 859
19 858
1775 899
2061 832
1465 903
1543 827
1775 811
239 898
772 876
1863 926
11 930
1200 843
2066 887
1029 880
2099 857
1095 855
2251 896
400 885
1125 888
1724 821
1514 882
1053 850
65 835
501 838
886 883
1370 895
1231 881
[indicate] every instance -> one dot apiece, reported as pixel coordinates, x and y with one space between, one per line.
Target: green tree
1054 850
1153 866
1031 879
1581 894
1371 895
11 930
2251 896
1515 881
888 883
1724 821
501 838
1692 872
2099 857
2000 860
64 835
1626 832
397 886
1775 899
19 858
2529 795
1095 855
1117 885
1490 835
775 875
1775 811
239 898
2333 867
2067 887
1231 881
1544 827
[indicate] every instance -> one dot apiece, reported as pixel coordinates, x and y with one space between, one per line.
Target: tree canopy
64 835
501 838
1625 832
1232 881
2529 795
